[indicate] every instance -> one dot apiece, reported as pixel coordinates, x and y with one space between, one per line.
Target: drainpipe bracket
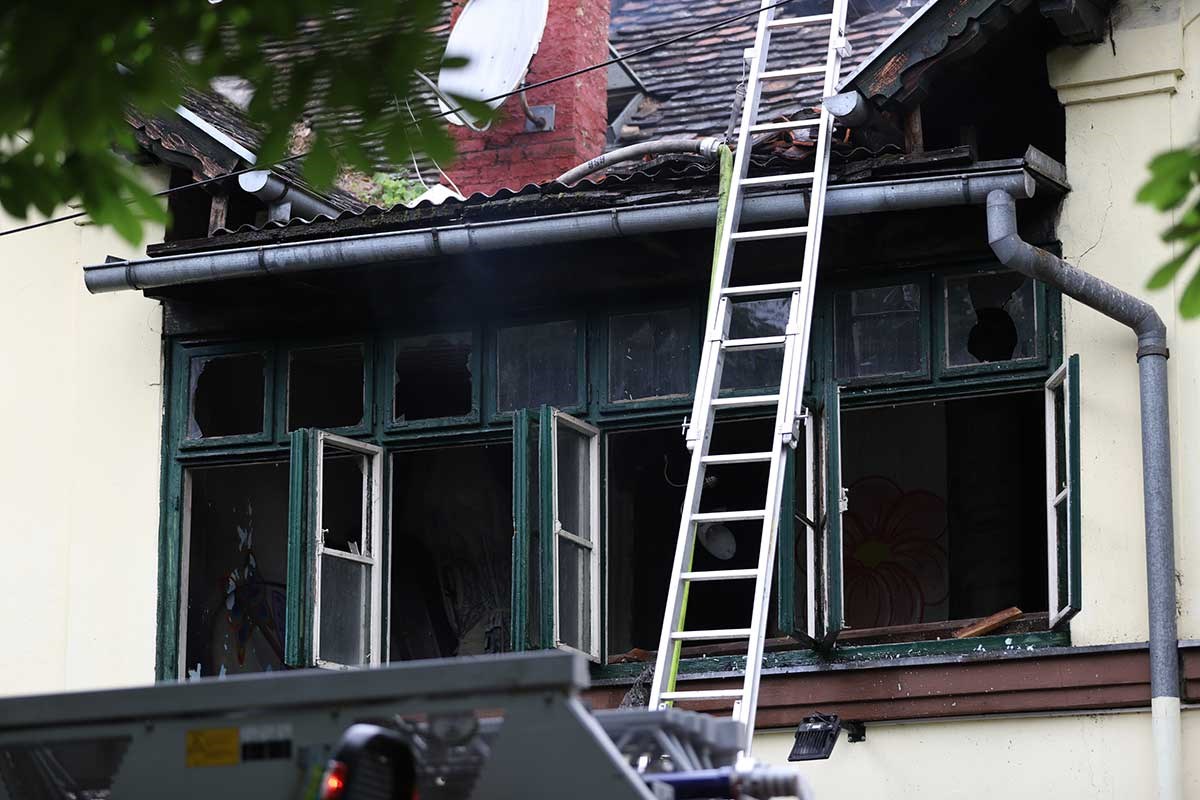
1153 350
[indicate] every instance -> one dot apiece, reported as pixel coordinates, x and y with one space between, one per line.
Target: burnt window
878 332
451 557
755 368
990 317
235 544
326 387
537 365
434 377
227 395
945 518
649 355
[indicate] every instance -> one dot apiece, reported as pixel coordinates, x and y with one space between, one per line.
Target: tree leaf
1163 276
1189 303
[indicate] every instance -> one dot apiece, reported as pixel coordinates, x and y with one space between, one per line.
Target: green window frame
311 562
1063 509
542 532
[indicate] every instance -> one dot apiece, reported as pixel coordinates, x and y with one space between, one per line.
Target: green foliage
394 190
68 73
1175 184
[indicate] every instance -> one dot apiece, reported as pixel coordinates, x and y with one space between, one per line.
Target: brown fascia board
1053 680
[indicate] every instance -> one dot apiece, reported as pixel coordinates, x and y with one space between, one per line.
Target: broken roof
692 82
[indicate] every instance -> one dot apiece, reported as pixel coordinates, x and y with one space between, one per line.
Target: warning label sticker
213 747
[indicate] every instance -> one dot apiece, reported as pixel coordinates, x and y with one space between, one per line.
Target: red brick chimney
506 155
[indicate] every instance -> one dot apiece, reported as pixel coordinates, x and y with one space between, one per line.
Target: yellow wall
1089 756
79 465
1121 110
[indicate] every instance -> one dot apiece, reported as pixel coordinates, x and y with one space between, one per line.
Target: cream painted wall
79 466
1091 756
1121 110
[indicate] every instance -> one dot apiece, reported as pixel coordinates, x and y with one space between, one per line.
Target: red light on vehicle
334 782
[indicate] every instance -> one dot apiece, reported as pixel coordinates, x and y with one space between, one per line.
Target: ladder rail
733 214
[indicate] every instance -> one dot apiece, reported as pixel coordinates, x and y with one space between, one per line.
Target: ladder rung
793 22
788 125
762 289
720 575
794 72
754 343
746 401
710 635
770 233
728 516
771 180
738 458
703 694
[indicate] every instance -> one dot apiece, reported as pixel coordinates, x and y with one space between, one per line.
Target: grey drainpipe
284 200
399 246
1152 357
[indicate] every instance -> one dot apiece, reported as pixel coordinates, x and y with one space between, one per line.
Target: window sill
788 655
995 677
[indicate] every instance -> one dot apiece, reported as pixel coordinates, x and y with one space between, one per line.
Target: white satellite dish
499 38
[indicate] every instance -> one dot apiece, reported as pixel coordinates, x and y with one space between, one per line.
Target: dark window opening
343 498
325 387
647 473
237 529
451 552
946 517
433 377
189 209
537 365
227 396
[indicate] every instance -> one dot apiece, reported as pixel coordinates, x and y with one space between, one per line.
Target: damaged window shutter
1062 493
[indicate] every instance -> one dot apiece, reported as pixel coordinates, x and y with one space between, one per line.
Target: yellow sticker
213 747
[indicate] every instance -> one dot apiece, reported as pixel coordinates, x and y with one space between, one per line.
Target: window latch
843 500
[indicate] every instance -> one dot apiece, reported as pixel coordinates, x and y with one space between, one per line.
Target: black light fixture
816 736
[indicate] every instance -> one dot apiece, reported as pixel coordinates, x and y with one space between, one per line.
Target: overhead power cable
650 48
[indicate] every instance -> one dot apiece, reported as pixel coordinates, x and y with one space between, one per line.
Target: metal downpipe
1152 356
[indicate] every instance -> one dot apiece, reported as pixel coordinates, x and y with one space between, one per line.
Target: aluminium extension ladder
787 401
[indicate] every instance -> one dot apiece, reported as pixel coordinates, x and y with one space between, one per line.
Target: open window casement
334 558
825 564
1062 493
574 494
556 524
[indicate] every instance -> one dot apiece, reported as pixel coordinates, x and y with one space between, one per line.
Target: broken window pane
649 355
236 577
755 369
451 560
878 331
326 387
990 318
345 611
227 395
433 377
537 365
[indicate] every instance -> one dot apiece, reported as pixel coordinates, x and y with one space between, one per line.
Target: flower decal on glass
895 555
